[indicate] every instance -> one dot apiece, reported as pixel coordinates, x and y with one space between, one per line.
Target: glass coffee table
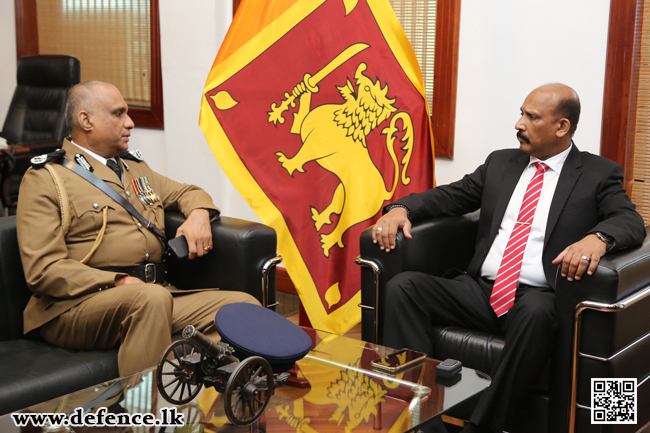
333 389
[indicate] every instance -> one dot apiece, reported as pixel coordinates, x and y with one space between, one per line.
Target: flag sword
275 115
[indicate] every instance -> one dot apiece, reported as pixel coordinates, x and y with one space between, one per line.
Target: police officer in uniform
85 256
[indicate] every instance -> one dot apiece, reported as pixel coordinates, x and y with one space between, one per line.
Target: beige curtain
111 39
641 171
418 18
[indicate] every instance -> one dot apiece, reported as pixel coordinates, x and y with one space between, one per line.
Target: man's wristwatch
393 206
603 238
609 242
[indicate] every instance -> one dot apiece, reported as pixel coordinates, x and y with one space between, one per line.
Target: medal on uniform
144 191
82 161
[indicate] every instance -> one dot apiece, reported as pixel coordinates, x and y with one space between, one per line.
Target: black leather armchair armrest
438 244
603 326
243 259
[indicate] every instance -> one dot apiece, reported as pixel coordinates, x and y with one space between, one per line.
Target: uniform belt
147 272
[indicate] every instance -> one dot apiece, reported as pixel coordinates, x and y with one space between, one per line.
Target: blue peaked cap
253 330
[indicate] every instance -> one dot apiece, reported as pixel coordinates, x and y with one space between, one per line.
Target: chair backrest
37 110
14 293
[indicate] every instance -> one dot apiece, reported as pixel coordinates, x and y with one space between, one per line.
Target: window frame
443 118
27 44
621 83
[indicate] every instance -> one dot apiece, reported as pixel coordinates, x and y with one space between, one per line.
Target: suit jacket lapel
511 176
571 171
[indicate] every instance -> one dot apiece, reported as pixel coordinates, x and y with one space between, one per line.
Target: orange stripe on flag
251 17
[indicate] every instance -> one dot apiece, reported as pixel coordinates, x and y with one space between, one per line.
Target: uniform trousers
140 319
415 302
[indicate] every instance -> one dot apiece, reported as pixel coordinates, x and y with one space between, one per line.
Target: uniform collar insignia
82 161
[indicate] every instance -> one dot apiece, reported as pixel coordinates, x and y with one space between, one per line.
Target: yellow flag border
347 315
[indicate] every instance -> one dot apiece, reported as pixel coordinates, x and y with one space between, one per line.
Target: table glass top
333 389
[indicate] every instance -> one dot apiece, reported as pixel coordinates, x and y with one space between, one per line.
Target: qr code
613 401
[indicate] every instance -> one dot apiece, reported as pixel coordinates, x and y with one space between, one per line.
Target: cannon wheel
194 419
248 391
176 375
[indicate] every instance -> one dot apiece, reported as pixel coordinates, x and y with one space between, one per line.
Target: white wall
507 48
7 56
191 34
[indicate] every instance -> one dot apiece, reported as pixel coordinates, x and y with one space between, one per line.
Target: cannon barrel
214 350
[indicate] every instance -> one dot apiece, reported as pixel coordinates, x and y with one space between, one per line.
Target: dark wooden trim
26 28
27 44
443 112
153 117
621 82
303 319
283 282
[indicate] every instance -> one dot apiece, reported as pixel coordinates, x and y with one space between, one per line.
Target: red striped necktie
505 285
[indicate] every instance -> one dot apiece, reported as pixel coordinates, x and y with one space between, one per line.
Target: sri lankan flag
315 110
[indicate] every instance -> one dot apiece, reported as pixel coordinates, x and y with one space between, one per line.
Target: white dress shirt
532 270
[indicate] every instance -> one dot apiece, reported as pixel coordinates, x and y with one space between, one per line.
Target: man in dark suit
543 205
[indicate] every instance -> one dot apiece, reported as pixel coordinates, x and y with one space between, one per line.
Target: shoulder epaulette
133 155
40 160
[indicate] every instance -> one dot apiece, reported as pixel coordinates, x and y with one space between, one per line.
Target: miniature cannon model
246 385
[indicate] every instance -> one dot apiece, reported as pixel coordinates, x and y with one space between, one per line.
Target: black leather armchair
243 259
603 325
36 115
32 371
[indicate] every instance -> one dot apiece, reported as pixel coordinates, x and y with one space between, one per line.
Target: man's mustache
522 136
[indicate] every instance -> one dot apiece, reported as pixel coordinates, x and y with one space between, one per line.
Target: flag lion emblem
335 134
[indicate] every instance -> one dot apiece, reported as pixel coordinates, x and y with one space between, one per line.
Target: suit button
128 194
139 225
95 206
146 256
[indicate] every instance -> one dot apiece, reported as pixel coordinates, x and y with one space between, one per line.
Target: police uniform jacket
51 261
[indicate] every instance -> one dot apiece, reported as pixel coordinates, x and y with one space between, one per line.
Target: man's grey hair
81 98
